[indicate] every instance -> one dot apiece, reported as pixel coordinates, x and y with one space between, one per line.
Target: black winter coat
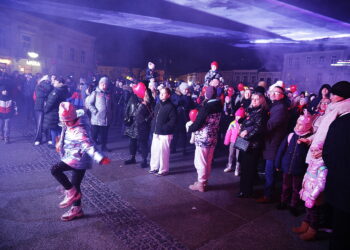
291 157
42 91
56 96
164 120
143 119
336 155
255 124
129 116
276 128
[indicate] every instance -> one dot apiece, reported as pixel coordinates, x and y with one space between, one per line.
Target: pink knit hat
240 112
304 124
67 112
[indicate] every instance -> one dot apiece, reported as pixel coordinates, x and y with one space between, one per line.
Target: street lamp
33 55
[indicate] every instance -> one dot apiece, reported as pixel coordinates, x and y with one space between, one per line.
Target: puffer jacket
255 124
100 104
210 75
164 120
76 148
42 91
129 117
8 107
314 181
232 132
206 125
56 96
291 155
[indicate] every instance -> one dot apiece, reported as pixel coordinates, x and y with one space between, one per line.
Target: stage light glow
5 61
33 63
33 55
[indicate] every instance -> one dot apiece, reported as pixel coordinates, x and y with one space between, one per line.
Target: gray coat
100 104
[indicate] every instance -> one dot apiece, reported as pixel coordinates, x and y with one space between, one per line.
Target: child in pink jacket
230 139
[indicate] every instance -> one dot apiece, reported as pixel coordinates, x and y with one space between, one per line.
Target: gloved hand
105 161
309 203
188 124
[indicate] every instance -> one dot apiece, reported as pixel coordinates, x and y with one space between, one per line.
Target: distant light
33 63
6 61
21 69
33 55
277 40
341 63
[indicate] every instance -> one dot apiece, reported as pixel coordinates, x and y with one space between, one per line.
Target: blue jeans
5 127
269 178
54 133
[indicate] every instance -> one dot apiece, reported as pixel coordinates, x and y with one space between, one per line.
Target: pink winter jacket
232 132
314 180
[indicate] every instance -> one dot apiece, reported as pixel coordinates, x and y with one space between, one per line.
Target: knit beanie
67 112
215 63
103 80
210 92
183 86
341 89
240 112
304 125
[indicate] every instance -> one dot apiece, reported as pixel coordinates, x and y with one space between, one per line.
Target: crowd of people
278 129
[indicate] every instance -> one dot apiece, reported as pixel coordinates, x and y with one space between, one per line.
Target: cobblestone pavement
127 208
127 224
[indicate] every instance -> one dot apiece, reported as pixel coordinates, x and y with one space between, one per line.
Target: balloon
293 88
193 114
240 87
230 91
139 90
204 89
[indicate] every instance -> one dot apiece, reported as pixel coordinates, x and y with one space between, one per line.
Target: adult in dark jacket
42 91
252 130
276 130
337 159
205 129
163 127
131 126
57 95
323 93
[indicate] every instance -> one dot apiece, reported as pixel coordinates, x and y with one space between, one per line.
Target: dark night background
133 48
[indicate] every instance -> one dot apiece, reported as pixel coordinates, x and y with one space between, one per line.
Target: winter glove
105 161
188 124
309 203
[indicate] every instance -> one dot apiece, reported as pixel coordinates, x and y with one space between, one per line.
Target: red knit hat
67 112
240 112
214 63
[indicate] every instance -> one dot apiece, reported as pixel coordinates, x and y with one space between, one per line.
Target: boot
198 186
144 164
71 196
130 161
237 170
302 229
72 213
310 234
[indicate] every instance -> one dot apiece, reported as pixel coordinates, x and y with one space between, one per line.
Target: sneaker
152 171
228 169
237 170
71 196
162 174
72 213
198 186
49 143
37 143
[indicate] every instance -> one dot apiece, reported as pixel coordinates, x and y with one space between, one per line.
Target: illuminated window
71 54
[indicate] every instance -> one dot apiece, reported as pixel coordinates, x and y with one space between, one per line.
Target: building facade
309 70
59 50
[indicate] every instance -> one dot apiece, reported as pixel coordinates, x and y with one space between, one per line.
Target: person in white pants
205 129
163 125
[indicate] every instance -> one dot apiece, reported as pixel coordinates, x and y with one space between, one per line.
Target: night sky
130 47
